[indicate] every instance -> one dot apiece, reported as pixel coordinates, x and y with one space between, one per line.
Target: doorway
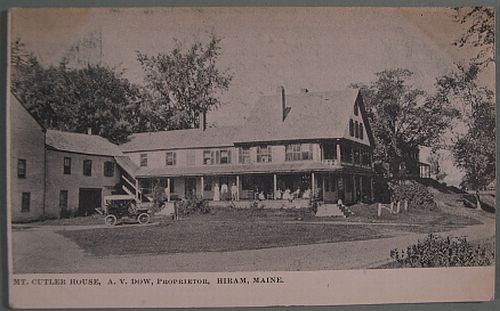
190 189
88 200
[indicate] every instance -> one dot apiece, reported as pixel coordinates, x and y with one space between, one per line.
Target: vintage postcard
250 156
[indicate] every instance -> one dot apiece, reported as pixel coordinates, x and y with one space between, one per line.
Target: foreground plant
436 251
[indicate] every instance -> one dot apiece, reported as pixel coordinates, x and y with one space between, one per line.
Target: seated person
287 195
277 194
306 194
262 197
296 194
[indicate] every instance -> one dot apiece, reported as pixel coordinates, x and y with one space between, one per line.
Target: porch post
274 186
313 186
361 187
168 187
137 188
371 189
354 189
338 152
202 186
238 186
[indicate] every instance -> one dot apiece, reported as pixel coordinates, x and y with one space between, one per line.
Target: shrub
436 251
417 195
193 205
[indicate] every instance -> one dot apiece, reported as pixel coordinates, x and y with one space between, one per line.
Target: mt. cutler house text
304 144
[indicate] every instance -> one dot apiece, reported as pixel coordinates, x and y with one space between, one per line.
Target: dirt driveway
41 250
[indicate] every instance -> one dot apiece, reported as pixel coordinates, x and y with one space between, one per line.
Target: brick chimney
203 121
281 91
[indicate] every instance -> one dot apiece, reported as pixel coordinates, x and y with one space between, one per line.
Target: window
357 156
63 200
346 154
109 169
361 134
67 166
170 158
356 109
225 156
244 155
351 127
207 184
144 159
264 154
21 168
297 152
366 158
222 156
25 202
356 129
87 167
208 157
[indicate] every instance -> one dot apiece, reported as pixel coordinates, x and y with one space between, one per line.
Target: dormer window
356 129
356 109
361 134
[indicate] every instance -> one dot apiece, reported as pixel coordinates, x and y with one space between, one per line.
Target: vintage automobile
125 208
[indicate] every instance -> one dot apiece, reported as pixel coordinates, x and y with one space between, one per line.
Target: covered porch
328 187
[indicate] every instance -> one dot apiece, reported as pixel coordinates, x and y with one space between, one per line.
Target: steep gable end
357 126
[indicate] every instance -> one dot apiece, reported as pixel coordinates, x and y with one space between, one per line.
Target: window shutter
229 156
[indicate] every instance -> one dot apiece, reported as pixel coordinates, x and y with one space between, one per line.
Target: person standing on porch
216 192
234 192
223 191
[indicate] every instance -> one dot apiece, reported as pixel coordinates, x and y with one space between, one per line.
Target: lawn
192 235
429 218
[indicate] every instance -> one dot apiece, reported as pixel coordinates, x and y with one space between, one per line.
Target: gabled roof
81 143
310 116
190 138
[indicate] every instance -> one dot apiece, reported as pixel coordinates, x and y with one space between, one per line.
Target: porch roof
260 168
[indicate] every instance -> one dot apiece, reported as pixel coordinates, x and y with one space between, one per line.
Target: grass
428 218
192 235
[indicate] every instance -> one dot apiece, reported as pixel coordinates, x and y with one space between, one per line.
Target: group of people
222 192
290 196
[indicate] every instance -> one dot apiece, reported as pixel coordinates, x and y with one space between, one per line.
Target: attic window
351 128
143 159
361 131
356 129
356 109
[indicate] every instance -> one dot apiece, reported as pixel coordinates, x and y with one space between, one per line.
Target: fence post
392 207
406 206
398 207
379 212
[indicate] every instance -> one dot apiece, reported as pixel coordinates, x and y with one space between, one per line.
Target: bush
436 251
193 205
417 195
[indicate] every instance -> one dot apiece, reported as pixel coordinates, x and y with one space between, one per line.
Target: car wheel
110 220
143 218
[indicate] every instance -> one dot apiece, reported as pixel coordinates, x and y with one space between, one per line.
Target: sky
317 48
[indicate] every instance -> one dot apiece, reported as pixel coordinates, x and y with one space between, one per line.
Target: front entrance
190 189
88 200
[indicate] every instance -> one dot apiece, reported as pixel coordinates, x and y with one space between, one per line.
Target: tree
480 33
75 99
473 151
402 118
182 85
